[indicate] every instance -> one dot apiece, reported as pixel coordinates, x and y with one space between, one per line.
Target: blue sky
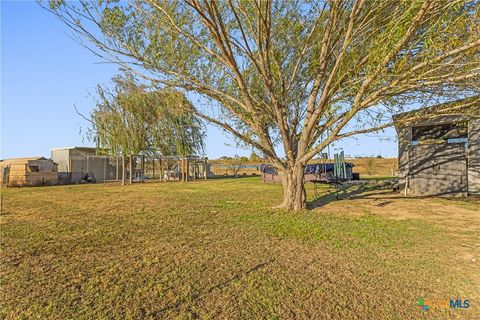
44 74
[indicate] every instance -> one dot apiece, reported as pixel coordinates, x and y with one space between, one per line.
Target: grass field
366 167
216 249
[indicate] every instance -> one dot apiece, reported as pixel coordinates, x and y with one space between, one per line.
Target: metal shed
439 151
76 163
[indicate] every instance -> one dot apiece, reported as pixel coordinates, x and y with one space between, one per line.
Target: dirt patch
457 218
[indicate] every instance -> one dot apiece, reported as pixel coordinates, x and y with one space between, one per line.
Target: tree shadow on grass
349 191
374 192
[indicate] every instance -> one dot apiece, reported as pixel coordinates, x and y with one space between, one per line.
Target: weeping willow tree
132 120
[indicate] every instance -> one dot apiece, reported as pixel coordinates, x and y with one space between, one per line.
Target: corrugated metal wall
61 157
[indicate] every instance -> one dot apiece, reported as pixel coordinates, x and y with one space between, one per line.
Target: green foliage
132 120
262 68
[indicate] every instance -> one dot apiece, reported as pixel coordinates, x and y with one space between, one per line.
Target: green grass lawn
216 249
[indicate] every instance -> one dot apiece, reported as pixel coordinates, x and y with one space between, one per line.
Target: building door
422 170
438 169
451 169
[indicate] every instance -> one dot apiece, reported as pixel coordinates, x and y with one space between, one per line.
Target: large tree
296 75
129 119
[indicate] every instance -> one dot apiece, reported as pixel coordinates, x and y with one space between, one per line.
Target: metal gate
438 170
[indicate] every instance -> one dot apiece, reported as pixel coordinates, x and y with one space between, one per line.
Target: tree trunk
294 195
